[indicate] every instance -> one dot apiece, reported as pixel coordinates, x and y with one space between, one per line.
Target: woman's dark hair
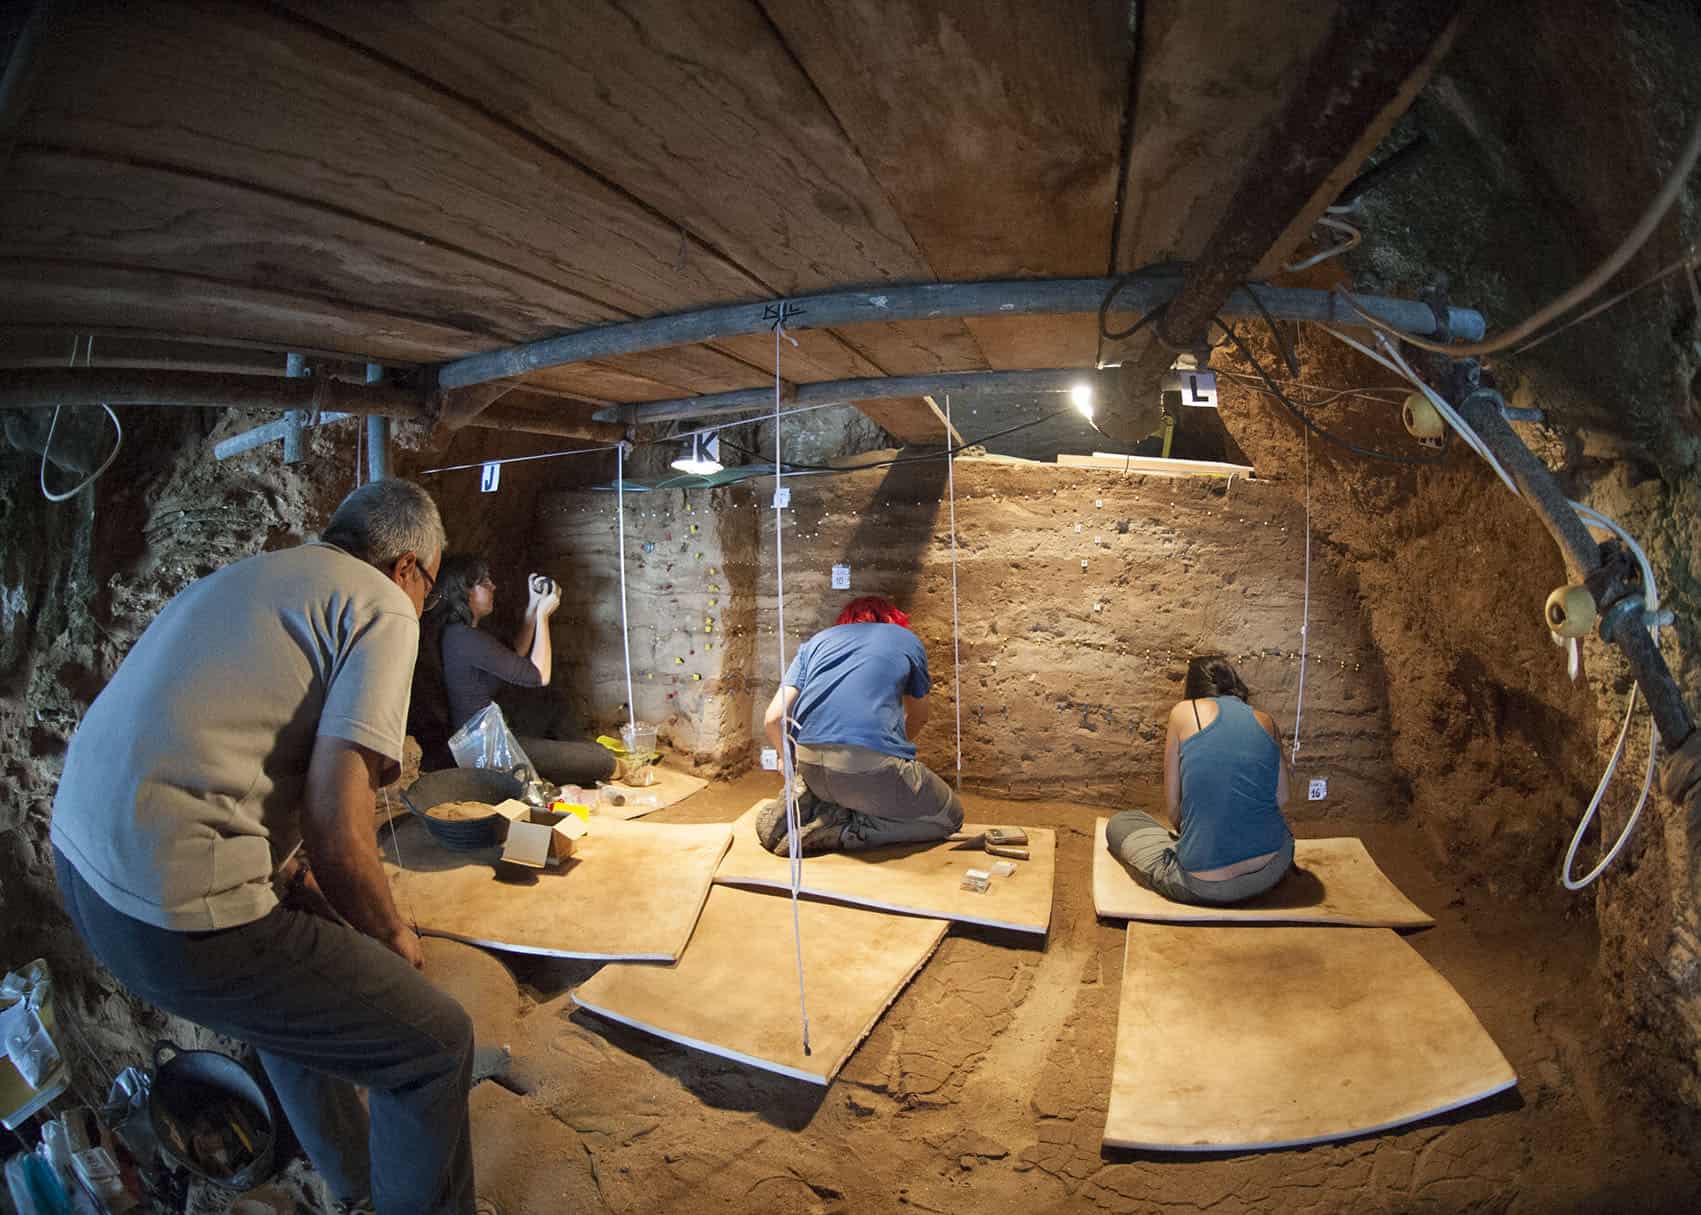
1214 675
456 578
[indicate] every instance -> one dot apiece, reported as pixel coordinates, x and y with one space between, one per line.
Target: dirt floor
985 1085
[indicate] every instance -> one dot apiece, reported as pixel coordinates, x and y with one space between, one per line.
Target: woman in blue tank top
1225 781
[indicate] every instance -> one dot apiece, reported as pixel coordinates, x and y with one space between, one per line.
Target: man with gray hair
261 710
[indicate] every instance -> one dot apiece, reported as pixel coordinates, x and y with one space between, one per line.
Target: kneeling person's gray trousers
891 800
328 1009
1145 845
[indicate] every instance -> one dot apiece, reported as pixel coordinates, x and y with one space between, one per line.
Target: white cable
956 645
625 632
53 425
1353 239
1305 611
788 761
1651 609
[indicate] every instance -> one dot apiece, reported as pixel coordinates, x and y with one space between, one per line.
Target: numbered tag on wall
1199 389
841 577
1317 791
782 497
491 477
770 759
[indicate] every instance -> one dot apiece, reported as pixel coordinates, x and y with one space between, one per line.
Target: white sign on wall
841 577
770 759
491 478
1317 791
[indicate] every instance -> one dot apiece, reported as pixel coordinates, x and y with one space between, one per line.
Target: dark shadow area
1509 1101
899 525
724 1084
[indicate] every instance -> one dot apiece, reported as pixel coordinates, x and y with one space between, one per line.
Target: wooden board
1237 1038
259 97
1333 881
631 891
913 880
526 1162
1155 465
670 789
734 993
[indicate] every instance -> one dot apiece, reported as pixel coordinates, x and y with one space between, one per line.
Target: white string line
53 495
788 763
625 632
546 455
401 869
956 647
1305 611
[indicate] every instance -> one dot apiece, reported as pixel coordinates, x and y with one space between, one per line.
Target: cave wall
1551 126
79 581
1082 594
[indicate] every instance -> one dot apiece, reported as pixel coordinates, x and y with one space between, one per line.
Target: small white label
770 759
491 477
841 577
1317 790
782 497
1199 388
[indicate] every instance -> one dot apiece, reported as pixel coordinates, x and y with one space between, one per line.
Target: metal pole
924 301
377 433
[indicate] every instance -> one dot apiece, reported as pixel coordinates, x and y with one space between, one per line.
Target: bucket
212 1117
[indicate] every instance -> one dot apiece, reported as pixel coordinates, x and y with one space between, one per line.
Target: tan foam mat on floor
913 879
1241 1037
734 993
1333 881
670 789
525 1162
631 891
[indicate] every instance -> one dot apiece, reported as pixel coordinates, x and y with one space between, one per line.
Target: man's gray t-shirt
183 785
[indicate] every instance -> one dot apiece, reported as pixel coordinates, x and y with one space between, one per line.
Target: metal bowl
463 785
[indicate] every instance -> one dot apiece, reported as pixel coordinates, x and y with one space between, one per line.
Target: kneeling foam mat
1332 882
911 879
1232 1038
670 789
630 891
734 993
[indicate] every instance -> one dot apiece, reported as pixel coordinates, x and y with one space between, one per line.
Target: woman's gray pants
328 1009
1146 846
891 800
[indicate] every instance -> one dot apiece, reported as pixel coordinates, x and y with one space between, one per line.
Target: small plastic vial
977 880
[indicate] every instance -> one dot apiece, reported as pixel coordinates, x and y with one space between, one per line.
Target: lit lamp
1081 397
701 456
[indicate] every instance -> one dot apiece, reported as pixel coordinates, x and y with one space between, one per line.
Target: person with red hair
852 701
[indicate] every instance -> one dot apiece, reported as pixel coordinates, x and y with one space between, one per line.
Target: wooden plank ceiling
410 182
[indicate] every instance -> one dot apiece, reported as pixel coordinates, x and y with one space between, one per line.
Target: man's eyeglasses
430 582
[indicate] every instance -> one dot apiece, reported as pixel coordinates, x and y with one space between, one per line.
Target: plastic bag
23 1038
487 742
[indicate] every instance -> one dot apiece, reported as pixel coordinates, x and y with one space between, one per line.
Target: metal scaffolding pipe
924 301
43 388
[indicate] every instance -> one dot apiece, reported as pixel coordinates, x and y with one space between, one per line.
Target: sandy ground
985 1085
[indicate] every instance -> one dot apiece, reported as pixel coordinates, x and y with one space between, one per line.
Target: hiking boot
822 828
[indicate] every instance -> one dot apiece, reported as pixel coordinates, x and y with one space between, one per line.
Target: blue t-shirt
851 680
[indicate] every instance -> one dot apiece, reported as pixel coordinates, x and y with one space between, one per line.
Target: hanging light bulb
1081 396
701 456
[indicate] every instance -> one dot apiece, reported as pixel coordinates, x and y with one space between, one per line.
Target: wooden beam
910 420
1366 70
993 128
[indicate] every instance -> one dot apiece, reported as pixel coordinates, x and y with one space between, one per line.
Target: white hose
54 495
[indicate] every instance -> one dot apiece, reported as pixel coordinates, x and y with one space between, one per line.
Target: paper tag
1317 790
782 497
770 759
1199 388
841 577
491 477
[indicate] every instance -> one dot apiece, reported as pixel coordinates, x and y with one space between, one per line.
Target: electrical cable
1583 289
1651 610
1686 262
52 427
625 632
1282 346
1305 419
